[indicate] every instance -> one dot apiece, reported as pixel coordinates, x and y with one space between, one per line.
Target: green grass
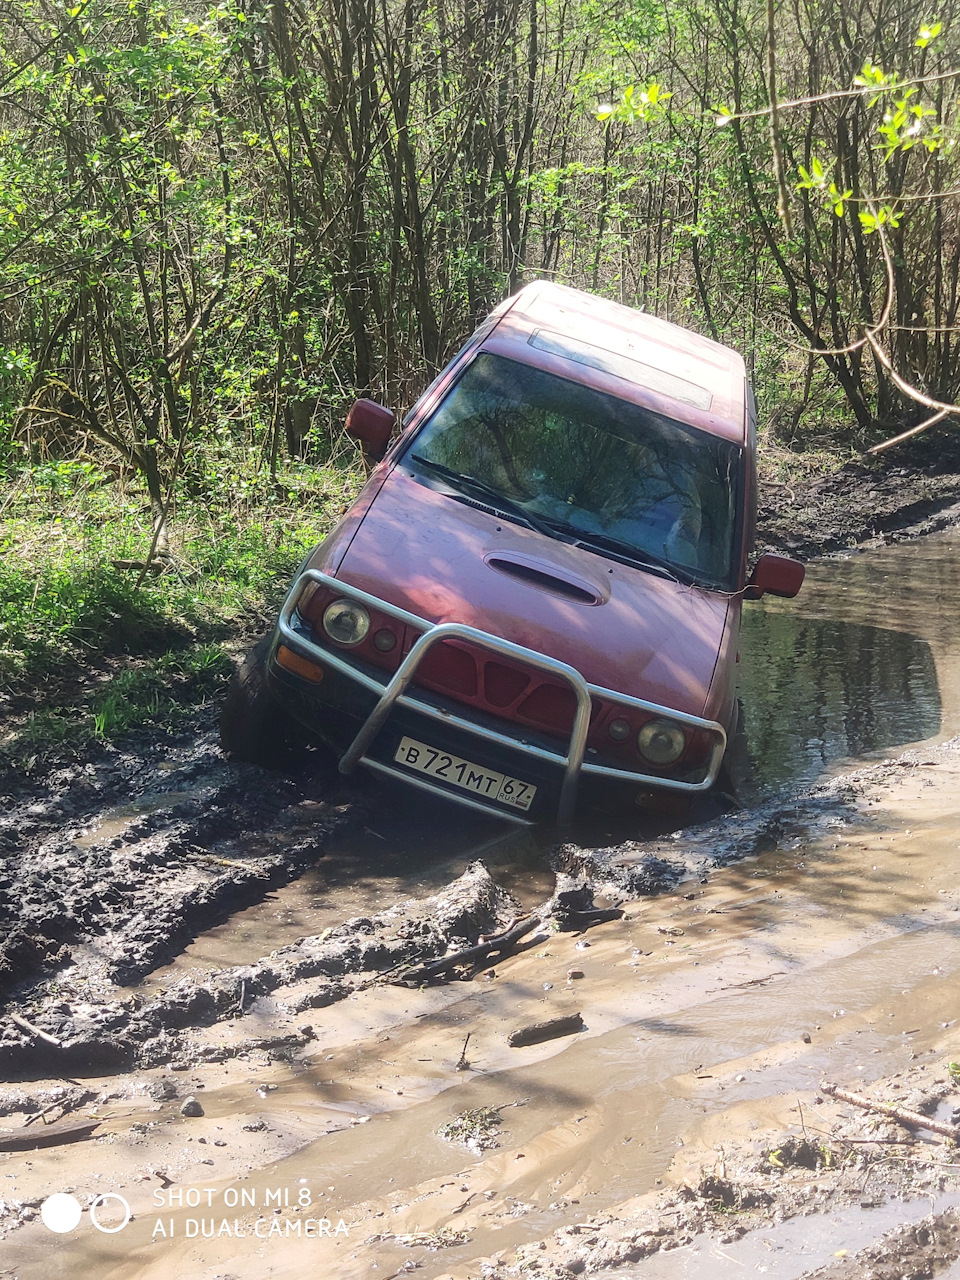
89 651
165 691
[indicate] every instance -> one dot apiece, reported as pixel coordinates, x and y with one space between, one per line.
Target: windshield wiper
625 551
560 529
499 500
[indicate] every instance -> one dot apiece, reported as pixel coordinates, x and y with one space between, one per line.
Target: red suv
535 600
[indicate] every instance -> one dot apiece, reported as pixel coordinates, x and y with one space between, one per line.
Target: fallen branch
913 1119
581 920
35 1031
541 1031
500 945
40 1115
51 1135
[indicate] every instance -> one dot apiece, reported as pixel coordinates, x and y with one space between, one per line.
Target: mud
203 839
829 949
912 489
179 927
311 974
841 1181
101 914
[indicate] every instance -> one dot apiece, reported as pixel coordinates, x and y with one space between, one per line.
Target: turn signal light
299 665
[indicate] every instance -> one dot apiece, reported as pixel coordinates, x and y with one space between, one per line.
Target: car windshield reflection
618 476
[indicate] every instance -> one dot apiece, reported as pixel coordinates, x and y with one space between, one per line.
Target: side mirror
370 424
774 575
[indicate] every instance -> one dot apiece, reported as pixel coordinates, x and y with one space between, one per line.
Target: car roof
626 353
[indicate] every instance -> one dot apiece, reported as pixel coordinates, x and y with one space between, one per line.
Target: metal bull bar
393 691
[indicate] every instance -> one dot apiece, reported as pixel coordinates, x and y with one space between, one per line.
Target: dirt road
268 1102
711 1012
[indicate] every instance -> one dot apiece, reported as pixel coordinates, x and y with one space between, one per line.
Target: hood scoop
543 574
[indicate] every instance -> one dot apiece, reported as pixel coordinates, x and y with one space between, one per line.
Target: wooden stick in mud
39 1115
463 1064
912 1118
541 1031
498 945
51 1135
35 1031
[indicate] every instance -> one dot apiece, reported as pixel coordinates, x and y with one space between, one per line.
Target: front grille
481 680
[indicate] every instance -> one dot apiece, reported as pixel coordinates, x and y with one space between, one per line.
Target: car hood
621 628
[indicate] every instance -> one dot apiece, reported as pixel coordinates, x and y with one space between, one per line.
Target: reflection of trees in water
817 691
602 464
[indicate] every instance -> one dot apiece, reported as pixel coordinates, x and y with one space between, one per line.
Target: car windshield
620 478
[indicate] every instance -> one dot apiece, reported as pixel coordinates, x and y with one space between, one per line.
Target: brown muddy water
834 955
865 660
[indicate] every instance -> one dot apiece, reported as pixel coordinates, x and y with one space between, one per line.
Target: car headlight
346 622
661 742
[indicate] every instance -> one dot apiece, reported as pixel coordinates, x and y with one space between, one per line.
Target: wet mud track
181 928
110 867
114 869
819 938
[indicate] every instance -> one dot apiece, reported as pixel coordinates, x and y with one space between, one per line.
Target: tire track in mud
129 1033
88 916
81 914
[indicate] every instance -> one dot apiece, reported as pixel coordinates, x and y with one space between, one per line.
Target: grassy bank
90 647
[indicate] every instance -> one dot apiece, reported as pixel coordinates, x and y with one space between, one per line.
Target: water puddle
115 821
866 660
785 1250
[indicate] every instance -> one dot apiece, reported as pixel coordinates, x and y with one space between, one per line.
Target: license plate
465 774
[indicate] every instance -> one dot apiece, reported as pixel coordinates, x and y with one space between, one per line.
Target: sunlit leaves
885 216
907 124
816 179
906 121
928 32
636 105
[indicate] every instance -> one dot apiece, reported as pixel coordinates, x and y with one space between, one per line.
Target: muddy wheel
736 777
253 725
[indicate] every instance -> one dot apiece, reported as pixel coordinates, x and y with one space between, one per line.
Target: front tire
253 725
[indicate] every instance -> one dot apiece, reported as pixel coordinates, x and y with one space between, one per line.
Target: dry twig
912 1119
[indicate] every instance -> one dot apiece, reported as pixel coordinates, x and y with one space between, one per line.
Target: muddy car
534 603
